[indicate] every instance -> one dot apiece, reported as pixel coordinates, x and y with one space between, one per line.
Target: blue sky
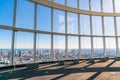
25 19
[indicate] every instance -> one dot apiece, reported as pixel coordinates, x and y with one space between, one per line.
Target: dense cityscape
22 56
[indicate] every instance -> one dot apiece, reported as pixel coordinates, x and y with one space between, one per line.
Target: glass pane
44 18
119 45
72 23
72 3
118 25
85 24
60 2
43 48
109 26
59 47
117 6
23 48
5 47
59 21
25 14
85 47
97 25
73 47
6 12
96 5
98 47
107 6
110 47
84 4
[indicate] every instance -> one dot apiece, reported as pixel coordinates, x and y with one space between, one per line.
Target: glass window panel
85 24
85 47
107 5
6 12
23 48
73 47
25 14
118 25
97 25
44 18
109 26
98 47
5 47
72 3
59 47
59 21
119 45
110 47
117 6
60 2
43 52
84 4
96 5
72 23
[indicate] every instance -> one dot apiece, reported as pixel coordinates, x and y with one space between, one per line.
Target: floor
109 70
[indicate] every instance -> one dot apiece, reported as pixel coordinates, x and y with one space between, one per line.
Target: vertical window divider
13 32
35 24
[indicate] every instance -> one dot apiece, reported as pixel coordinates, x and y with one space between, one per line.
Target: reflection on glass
59 47
110 47
97 25
6 12
60 2
109 26
59 21
96 5
72 23
25 14
84 4
98 47
43 48
44 18
85 47
73 47
23 52
85 24
117 6
118 25
107 5
72 3
5 47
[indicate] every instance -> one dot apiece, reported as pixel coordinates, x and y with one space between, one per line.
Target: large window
73 47
59 21
44 18
84 4
6 12
98 47
5 47
107 6
96 5
43 48
109 26
59 47
97 25
85 47
110 47
25 14
85 24
72 3
72 23
117 6
23 48
60 2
